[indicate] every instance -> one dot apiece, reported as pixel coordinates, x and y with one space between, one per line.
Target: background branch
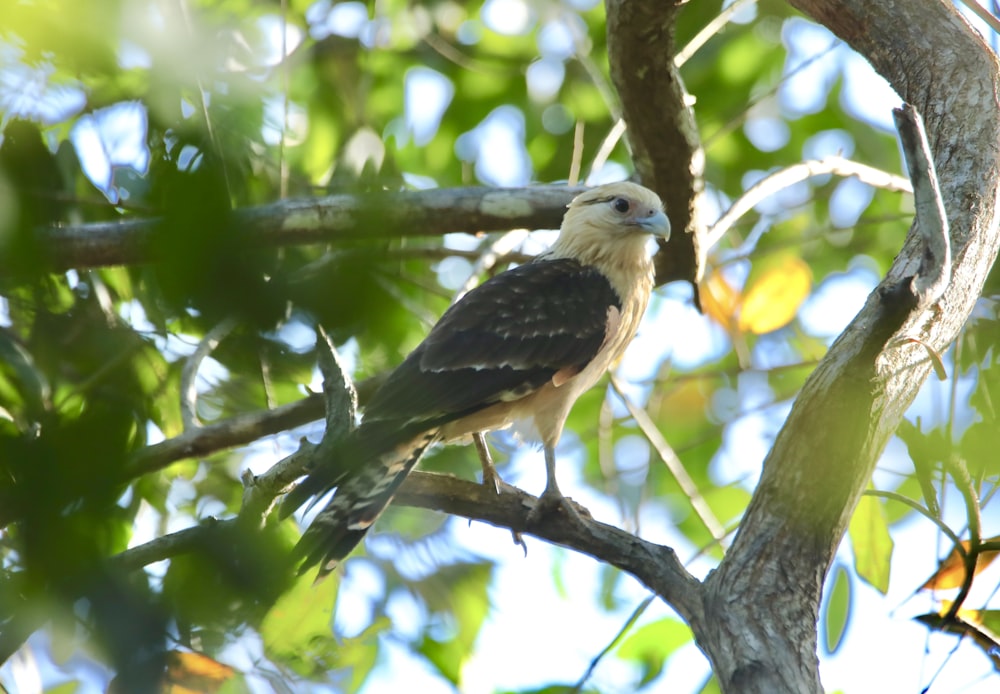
775 182
327 219
666 146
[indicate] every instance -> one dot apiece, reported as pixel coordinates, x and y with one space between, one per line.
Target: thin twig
629 623
960 474
203 96
923 511
488 258
189 374
708 31
796 173
576 162
673 463
733 122
607 147
984 14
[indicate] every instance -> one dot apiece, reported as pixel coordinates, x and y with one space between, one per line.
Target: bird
518 349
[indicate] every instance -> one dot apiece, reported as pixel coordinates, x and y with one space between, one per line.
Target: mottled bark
666 145
762 602
326 220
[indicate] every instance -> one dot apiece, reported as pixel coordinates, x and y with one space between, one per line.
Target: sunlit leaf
195 673
837 609
298 629
719 299
989 619
872 543
772 301
951 572
652 644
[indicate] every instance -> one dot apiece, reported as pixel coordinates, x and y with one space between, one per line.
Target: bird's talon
519 541
549 502
493 482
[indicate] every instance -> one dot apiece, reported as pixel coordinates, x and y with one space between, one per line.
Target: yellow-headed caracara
522 346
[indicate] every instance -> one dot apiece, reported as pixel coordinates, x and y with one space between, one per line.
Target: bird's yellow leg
490 476
552 499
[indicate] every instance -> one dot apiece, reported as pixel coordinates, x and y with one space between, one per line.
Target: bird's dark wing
501 341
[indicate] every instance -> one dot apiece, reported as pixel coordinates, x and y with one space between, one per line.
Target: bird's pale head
612 224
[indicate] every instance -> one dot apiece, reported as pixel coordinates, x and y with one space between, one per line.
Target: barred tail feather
362 494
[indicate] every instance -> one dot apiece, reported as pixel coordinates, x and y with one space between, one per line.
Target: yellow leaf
772 301
188 673
720 300
194 672
951 573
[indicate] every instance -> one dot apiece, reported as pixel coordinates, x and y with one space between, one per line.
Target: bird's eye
621 205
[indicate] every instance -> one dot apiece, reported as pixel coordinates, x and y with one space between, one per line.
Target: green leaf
650 645
298 631
989 619
872 543
460 594
837 610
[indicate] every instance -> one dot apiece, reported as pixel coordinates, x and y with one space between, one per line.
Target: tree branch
796 173
327 219
770 581
666 146
235 431
656 566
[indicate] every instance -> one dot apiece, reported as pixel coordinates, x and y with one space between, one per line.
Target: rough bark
666 146
761 604
326 220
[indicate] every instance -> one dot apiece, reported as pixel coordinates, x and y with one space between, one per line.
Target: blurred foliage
119 109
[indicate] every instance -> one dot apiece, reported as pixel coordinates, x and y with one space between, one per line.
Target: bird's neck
626 263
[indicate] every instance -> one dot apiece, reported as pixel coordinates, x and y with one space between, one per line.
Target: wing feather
502 341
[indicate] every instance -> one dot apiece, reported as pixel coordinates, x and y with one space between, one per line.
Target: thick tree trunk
761 604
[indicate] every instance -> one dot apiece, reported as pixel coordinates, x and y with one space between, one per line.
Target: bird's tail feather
362 494
349 459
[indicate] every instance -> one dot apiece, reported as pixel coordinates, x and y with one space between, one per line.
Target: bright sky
536 634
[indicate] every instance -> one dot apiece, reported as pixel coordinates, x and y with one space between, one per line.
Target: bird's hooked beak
655 222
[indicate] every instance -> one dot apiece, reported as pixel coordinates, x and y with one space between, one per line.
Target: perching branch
260 491
656 566
235 431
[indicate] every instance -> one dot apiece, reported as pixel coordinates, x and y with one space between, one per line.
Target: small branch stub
934 273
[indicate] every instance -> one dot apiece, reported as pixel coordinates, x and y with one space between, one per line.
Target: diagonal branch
656 566
796 173
850 406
